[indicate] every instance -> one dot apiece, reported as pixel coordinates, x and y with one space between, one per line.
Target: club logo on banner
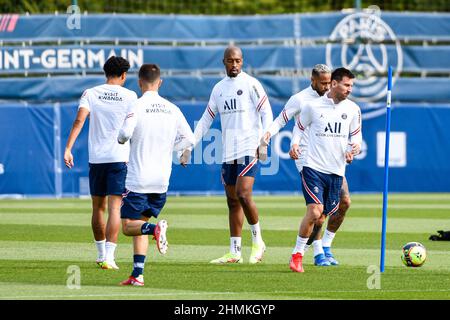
365 44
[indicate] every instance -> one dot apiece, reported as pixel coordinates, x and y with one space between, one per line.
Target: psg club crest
365 44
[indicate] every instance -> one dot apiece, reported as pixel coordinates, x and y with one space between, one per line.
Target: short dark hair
115 66
149 72
339 73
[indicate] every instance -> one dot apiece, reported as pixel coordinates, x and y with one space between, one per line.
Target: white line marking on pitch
221 293
123 295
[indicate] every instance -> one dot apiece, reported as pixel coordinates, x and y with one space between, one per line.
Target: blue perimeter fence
33 139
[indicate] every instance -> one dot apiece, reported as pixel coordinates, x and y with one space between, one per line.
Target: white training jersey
244 111
291 109
332 130
107 105
156 128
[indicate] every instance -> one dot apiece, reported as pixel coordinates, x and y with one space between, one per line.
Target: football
414 254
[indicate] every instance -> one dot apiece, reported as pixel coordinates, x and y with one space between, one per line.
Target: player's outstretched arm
185 141
74 132
185 157
262 104
201 129
291 109
294 152
205 121
349 157
128 126
265 139
261 152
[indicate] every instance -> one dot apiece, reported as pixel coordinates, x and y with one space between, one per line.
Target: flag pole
386 170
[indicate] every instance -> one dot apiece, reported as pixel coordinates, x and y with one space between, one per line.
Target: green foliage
217 7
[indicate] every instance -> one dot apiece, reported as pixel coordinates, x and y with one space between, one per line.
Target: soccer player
334 138
156 128
107 106
320 84
244 111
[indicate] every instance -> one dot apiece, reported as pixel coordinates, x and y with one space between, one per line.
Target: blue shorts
321 188
135 205
107 178
243 167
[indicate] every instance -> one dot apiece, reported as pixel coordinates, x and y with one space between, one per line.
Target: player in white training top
334 138
106 106
244 110
320 83
156 128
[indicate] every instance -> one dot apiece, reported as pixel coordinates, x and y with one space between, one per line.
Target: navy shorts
321 188
107 178
135 205
243 167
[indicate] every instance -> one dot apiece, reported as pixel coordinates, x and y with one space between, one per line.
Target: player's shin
306 230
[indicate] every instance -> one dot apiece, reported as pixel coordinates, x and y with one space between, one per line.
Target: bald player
245 114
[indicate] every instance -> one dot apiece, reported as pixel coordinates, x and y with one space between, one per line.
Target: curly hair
115 66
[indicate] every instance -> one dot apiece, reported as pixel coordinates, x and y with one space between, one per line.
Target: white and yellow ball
414 254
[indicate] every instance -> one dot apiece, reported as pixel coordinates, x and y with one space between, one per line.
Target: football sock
235 245
300 245
110 249
256 233
148 228
317 246
327 238
138 265
101 249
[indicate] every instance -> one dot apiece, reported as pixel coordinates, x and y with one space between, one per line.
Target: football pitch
43 240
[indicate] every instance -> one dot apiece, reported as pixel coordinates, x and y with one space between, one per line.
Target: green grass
41 238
